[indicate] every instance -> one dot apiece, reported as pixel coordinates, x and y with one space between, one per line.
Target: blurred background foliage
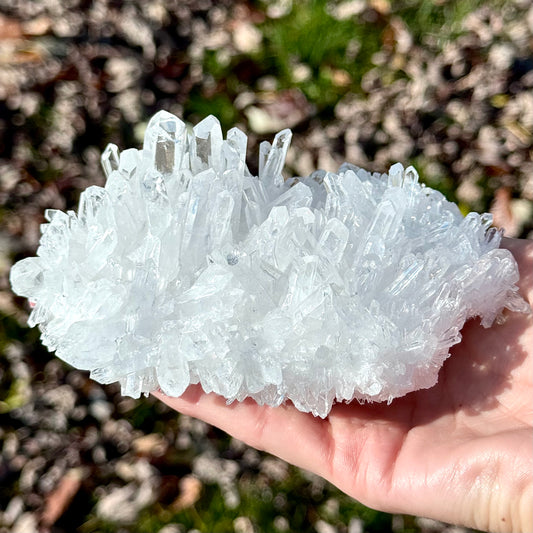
445 85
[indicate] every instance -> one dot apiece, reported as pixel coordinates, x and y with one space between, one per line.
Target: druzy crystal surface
185 268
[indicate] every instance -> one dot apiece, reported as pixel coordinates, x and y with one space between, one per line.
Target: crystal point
27 277
165 142
186 269
273 157
110 159
206 145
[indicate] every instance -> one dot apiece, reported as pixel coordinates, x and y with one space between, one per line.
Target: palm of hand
454 451
460 451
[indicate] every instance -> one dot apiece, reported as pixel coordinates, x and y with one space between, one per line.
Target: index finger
297 437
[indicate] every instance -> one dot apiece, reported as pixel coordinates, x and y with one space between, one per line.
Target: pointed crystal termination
235 149
186 269
272 158
27 277
396 175
334 239
206 146
110 159
410 177
154 192
129 161
165 142
90 202
264 150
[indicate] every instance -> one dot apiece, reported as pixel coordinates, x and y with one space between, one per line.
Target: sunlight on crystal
185 269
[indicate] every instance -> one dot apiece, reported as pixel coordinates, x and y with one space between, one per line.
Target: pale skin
460 452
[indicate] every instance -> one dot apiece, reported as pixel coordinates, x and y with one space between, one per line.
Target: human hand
461 452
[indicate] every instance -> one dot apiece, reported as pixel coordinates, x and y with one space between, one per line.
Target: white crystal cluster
185 268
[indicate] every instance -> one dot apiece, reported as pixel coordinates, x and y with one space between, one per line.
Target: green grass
309 35
439 19
220 105
263 502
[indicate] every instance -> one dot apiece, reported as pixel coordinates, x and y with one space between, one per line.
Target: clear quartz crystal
273 158
186 268
110 159
206 145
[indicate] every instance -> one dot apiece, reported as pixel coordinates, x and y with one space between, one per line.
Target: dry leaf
190 490
58 500
9 28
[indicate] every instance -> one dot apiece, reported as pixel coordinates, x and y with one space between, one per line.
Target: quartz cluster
185 268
